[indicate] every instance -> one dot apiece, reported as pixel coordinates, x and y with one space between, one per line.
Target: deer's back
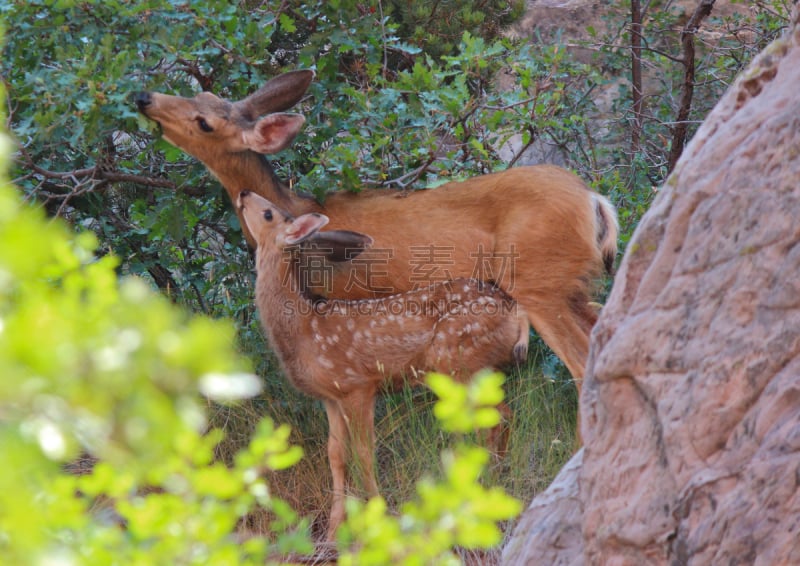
457 326
536 220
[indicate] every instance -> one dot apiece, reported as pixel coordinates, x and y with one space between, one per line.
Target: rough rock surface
691 406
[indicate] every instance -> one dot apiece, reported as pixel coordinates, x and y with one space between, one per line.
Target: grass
409 440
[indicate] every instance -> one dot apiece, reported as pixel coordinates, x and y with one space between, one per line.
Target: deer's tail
607 230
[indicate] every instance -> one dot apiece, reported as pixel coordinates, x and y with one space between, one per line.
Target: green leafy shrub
107 369
437 27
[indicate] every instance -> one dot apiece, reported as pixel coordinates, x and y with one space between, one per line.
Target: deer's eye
204 125
268 215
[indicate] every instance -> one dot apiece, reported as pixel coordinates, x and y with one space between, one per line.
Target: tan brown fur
563 232
345 352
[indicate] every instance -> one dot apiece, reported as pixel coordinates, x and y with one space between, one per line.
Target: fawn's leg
337 448
497 437
359 407
523 339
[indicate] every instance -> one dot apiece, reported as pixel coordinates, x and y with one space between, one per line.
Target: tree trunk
687 91
636 76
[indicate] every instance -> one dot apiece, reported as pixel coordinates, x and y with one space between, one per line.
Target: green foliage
85 156
441 119
437 27
480 397
457 512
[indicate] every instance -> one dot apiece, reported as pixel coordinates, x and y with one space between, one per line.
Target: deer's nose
142 100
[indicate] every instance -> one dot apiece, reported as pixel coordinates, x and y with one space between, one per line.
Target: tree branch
98 177
682 119
412 176
636 75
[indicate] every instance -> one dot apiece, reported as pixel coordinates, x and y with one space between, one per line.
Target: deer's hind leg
565 329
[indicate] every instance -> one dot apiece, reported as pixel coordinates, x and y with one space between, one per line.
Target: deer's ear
273 132
336 245
278 94
303 227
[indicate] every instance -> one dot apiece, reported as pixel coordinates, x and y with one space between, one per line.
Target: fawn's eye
268 215
204 125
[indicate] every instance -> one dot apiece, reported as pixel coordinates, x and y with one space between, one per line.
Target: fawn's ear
336 245
303 227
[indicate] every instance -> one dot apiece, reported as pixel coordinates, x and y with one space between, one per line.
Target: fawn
344 351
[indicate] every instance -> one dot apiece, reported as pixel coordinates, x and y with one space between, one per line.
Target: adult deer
344 352
537 232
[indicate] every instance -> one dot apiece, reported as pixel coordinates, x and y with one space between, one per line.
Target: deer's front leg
359 406
337 450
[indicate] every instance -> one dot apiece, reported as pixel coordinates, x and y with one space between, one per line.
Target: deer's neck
250 171
285 313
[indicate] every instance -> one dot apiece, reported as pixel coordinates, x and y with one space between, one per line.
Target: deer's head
206 126
272 226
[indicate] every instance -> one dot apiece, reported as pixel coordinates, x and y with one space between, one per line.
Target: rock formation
691 405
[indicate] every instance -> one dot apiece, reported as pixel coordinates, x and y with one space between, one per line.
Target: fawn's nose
142 100
240 199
